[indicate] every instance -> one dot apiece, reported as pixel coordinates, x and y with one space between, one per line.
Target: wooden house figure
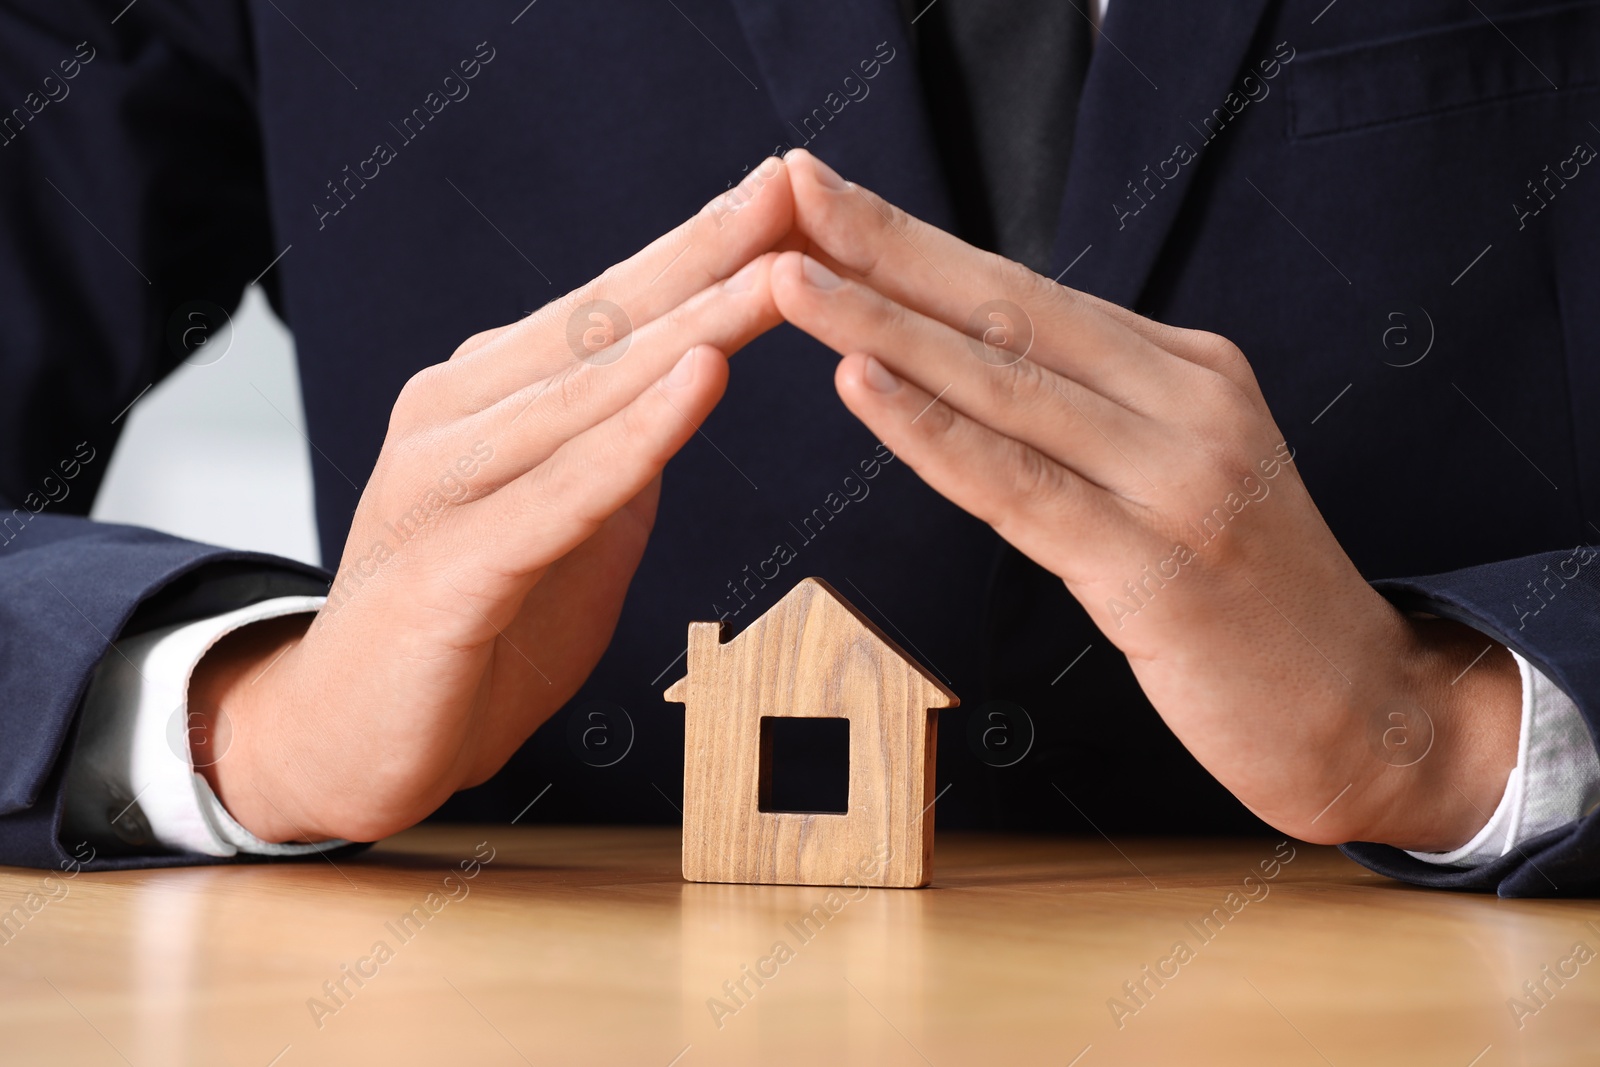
812 655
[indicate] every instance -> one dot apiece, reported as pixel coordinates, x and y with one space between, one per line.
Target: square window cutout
805 765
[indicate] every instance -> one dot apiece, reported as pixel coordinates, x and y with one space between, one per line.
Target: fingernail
828 177
743 279
763 172
682 373
818 275
878 378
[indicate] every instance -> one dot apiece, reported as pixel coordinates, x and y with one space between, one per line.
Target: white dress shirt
132 777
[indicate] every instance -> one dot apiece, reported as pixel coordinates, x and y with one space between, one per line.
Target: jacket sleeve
1546 608
130 187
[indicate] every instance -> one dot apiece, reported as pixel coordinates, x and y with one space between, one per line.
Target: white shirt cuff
1556 780
131 776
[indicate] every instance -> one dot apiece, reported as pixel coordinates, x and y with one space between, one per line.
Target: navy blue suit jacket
1387 211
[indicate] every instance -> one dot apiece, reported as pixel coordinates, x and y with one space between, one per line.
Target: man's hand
489 555
1140 464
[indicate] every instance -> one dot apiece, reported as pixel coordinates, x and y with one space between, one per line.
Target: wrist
1469 691
230 718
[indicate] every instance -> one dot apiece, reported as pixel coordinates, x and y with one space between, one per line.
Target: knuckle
1023 283
1225 401
683 318
426 383
568 389
892 223
856 247
1031 478
605 281
421 395
1032 474
1215 350
551 318
1221 460
537 412
598 331
475 342
859 251
1221 356
1230 465
894 217
937 420
640 424
1021 384
890 318
546 500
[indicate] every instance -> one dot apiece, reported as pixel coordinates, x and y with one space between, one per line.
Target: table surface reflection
512 945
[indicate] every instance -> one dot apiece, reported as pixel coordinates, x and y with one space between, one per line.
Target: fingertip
714 371
748 276
781 175
788 263
851 378
817 275
803 287
699 366
884 402
798 162
803 184
716 358
872 407
878 378
785 277
793 241
815 170
773 212
711 366
847 375
823 211
751 299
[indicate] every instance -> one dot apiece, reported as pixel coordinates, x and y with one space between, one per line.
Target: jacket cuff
130 781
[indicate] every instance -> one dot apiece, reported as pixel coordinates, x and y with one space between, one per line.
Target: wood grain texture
582 945
811 655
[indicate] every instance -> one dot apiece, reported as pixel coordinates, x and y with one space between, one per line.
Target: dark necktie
1002 80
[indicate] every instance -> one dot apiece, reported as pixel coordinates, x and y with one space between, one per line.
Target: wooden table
583 945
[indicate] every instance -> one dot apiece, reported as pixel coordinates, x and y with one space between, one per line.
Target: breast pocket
1455 68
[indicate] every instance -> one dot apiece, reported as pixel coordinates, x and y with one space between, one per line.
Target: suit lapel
1159 71
843 83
